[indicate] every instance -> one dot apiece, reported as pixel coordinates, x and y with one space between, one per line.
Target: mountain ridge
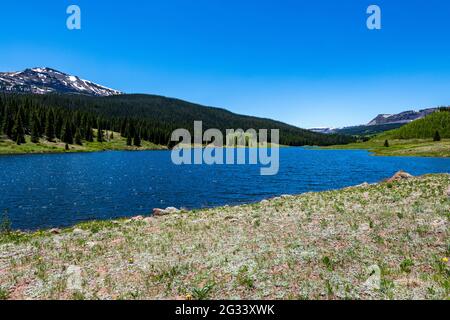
381 123
44 80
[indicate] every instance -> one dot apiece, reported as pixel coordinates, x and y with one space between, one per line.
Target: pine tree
66 132
99 132
35 129
89 133
137 139
437 136
50 126
386 144
18 130
111 137
78 138
8 122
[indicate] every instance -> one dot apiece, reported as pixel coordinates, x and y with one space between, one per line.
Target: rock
439 225
364 227
264 202
401 175
172 210
91 244
55 231
74 280
159 212
148 220
137 218
374 281
448 192
78 231
362 185
163 212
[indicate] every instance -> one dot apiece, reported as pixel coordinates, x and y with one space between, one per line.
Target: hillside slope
424 128
153 117
413 139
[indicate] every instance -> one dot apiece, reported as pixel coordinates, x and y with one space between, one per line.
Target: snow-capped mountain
404 117
47 80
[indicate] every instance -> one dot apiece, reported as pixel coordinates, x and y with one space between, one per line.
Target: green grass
399 147
118 143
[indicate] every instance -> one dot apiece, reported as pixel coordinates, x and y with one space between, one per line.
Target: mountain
381 123
403 117
47 80
324 130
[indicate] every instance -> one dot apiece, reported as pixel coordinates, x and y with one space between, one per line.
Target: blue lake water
41 191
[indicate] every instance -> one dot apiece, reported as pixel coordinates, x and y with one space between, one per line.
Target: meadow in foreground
383 241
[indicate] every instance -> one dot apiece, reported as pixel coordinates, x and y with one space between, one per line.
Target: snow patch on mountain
47 80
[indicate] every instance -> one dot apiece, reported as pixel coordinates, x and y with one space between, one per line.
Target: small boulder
74 280
137 218
401 175
148 220
55 231
159 212
172 210
163 212
78 231
374 280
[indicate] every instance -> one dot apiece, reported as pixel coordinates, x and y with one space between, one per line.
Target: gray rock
74 279
374 280
55 231
78 231
401 175
172 210
163 212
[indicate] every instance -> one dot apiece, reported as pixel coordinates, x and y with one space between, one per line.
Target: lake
58 190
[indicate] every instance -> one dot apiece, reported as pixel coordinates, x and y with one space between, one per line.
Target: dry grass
312 246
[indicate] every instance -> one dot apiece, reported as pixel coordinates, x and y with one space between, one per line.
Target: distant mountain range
381 123
403 117
47 80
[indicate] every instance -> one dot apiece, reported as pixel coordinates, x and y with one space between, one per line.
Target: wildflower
188 297
445 260
131 261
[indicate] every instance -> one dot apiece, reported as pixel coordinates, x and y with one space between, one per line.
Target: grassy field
397 147
118 143
383 241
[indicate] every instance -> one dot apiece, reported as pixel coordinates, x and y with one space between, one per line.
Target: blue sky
308 63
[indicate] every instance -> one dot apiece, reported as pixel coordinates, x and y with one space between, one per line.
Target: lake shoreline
318 245
403 148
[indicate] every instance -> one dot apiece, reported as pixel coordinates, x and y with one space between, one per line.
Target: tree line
434 126
73 119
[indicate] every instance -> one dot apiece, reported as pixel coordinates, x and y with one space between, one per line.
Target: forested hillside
425 128
72 118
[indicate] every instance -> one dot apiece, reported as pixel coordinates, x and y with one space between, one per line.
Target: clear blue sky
308 63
